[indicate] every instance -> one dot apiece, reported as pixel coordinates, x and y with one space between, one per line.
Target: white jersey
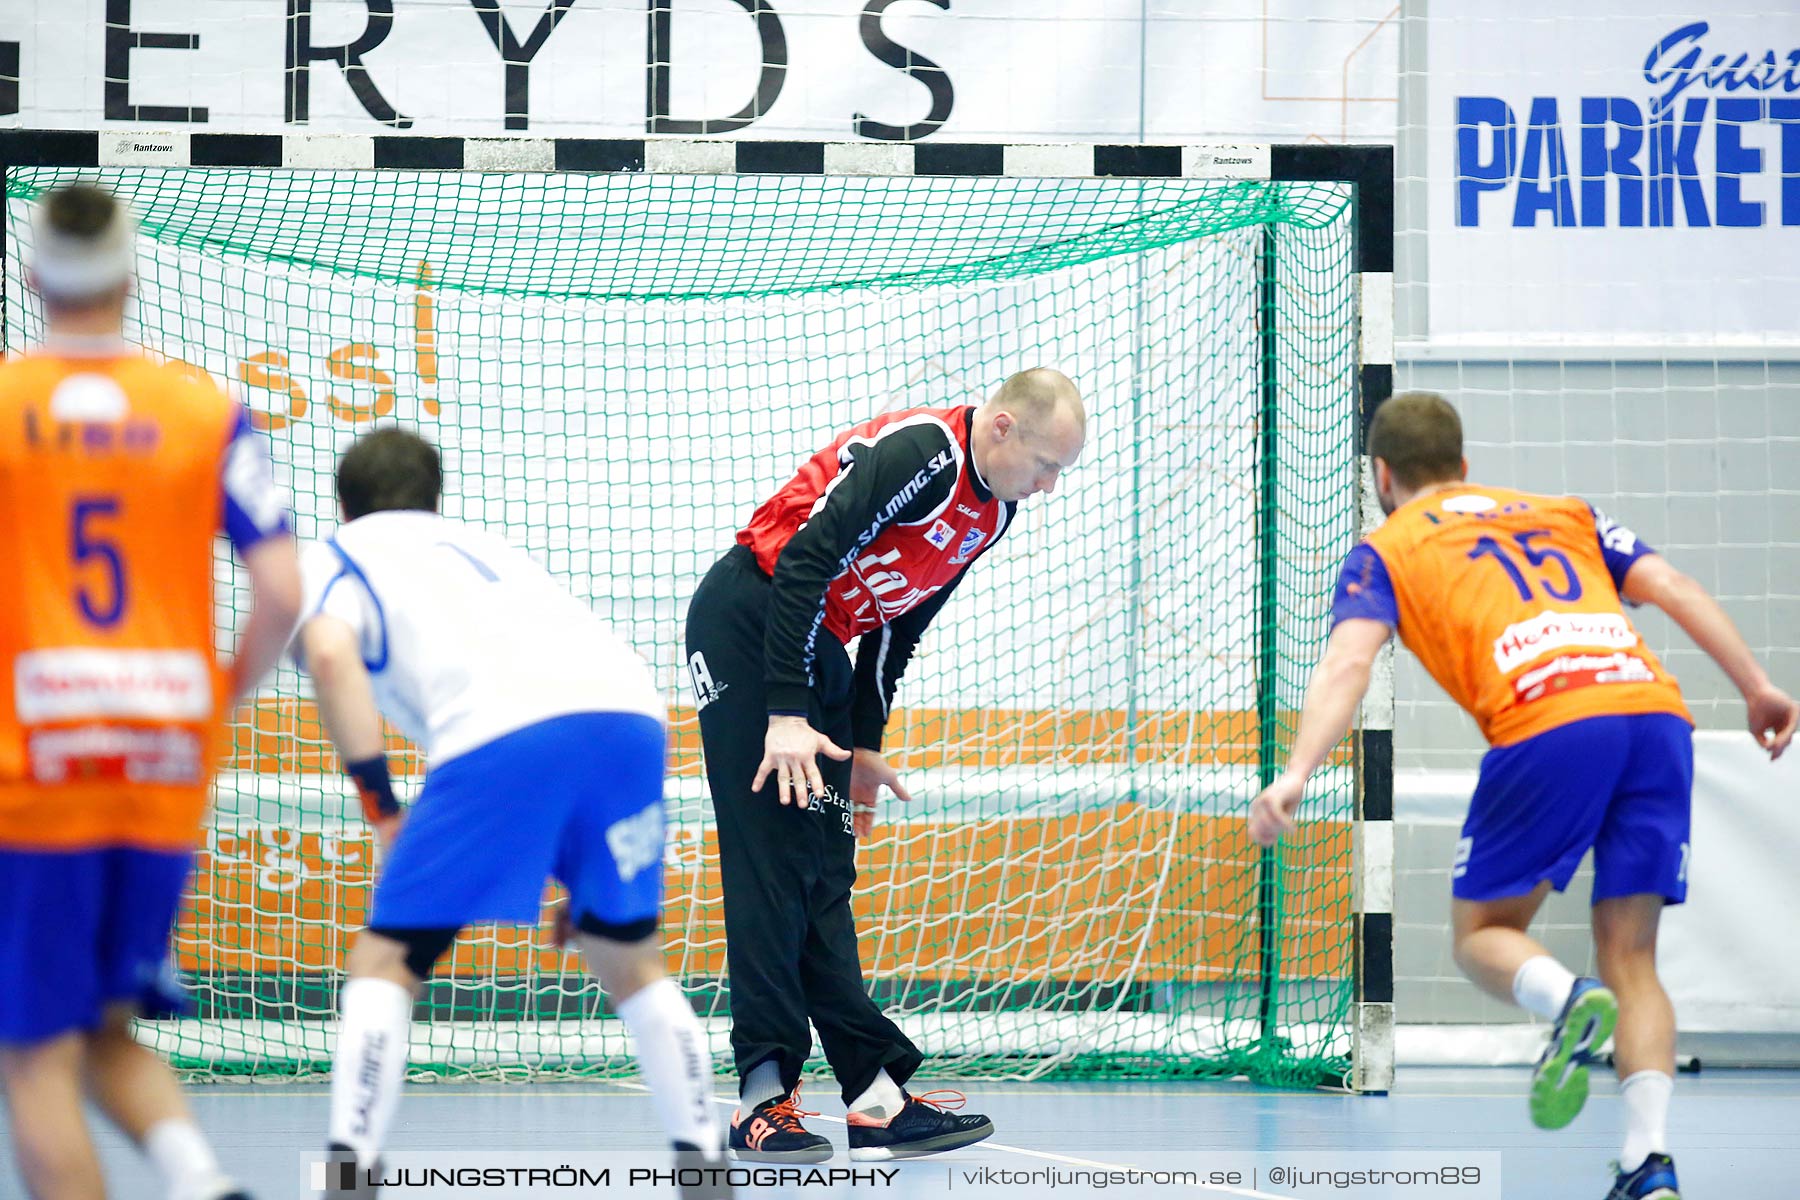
466 637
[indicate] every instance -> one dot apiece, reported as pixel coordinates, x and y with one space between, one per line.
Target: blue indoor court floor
1735 1135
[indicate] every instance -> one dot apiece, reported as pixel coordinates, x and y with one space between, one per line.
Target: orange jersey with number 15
116 474
1511 601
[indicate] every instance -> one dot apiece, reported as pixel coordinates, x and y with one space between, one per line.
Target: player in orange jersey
1512 602
116 476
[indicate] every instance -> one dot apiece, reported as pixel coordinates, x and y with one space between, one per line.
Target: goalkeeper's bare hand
869 773
1272 812
791 753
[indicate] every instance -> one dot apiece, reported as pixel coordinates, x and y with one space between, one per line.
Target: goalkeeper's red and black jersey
870 537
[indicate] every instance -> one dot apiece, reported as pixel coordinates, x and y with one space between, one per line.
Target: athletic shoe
925 1125
772 1132
1653 1180
1559 1085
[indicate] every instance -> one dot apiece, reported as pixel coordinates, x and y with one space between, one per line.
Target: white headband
80 268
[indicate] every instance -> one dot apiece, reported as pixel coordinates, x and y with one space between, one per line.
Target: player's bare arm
1772 712
347 706
1336 688
274 566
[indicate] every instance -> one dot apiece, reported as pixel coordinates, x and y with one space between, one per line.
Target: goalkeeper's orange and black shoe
928 1124
772 1132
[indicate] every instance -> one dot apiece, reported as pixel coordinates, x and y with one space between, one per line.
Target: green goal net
618 368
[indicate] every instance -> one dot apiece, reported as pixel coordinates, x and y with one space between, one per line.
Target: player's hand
1272 812
869 773
1773 715
791 754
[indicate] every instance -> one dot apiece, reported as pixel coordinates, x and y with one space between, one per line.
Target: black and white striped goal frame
1369 169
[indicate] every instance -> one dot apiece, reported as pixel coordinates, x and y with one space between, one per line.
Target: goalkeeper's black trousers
790 938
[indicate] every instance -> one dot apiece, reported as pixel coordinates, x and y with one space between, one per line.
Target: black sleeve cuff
789 699
866 734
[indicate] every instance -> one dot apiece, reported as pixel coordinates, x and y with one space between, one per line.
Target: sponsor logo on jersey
940 534
966 511
1523 641
1469 504
156 685
134 435
893 592
1568 671
115 753
971 542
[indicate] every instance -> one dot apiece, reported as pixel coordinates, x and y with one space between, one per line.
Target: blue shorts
1620 785
578 797
84 929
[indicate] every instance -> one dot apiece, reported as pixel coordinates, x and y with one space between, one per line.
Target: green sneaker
1559 1084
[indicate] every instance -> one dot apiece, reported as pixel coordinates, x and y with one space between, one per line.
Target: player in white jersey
546 741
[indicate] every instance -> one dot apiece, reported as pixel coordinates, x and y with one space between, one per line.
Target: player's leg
766 863
49 1134
368 1066
85 942
611 858
1644 1047
51 909
141 1095
667 1038
1492 947
130 1084
868 1053
1625 940
871 1057
765 925
1640 866
1537 809
474 847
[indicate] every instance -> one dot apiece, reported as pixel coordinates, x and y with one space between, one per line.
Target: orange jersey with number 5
111 495
1511 601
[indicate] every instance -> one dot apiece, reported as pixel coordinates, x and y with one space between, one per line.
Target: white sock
185 1160
677 1064
762 1083
370 1065
1542 986
1646 1095
882 1099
